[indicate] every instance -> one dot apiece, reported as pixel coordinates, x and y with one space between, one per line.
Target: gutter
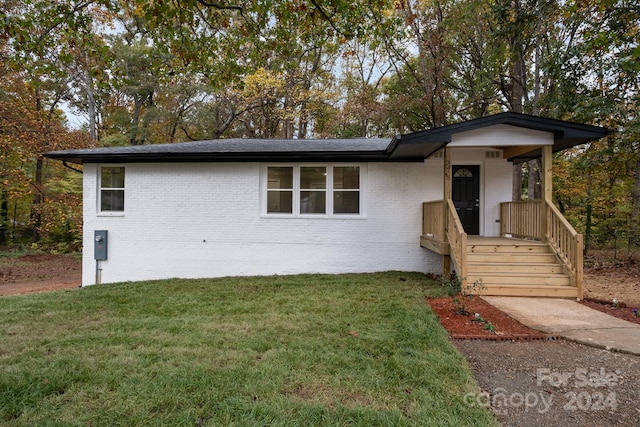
66 165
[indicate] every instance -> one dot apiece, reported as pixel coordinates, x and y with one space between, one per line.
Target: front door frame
480 165
459 165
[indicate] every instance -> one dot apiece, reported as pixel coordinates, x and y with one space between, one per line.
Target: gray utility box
100 244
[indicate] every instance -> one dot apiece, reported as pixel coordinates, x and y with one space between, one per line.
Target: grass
356 350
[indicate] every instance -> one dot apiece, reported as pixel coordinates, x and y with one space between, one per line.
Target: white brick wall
193 220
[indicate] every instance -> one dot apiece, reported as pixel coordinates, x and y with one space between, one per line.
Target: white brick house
262 207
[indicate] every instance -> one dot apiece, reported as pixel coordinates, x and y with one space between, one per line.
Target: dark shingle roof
235 150
411 147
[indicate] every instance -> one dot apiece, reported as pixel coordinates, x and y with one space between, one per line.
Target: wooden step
513 267
528 279
504 267
511 248
530 291
512 258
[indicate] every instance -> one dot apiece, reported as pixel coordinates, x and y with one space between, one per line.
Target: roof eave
342 156
412 147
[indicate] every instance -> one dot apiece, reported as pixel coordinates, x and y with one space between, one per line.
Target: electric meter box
100 244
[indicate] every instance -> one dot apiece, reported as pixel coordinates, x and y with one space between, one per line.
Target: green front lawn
291 350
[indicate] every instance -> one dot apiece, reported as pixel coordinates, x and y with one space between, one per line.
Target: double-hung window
313 190
346 190
111 194
280 189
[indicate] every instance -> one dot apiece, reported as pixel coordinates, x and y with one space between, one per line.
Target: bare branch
329 19
62 20
219 6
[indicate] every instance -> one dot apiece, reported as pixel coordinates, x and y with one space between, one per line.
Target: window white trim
329 191
99 190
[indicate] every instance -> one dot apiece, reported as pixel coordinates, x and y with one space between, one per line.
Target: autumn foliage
146 72
40 200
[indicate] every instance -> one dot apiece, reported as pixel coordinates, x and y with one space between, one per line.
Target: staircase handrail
458 241
566 242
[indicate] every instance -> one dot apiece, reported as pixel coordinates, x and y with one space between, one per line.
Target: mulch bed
622 311
459 319
458 316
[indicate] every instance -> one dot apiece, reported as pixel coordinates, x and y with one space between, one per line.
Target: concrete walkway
573 321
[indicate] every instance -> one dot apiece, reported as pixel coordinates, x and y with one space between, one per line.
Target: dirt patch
608 275
327 396
39 273
621 311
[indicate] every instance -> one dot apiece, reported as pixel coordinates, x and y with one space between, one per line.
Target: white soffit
501 136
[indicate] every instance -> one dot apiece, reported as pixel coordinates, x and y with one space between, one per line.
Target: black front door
466 196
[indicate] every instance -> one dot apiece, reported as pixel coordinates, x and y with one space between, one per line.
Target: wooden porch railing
543 221
432 219
522 220
567 244
458 242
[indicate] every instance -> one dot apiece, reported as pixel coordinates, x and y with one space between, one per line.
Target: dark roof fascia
235 150
566 134
560 128
309 157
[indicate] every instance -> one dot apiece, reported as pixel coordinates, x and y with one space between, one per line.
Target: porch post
446 193
547 173
547 188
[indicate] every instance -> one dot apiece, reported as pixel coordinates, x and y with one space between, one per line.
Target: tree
596 78
26 132
40 39
154 72
431 35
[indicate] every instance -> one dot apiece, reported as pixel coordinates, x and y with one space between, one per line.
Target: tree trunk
516 194
38 201
304 121
634 231
516 103
4 216
135 121
517 91
534 188
91 101
588 219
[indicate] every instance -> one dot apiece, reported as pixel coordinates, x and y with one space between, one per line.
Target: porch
533 250
538 253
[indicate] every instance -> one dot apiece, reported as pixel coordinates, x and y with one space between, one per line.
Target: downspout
98 272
